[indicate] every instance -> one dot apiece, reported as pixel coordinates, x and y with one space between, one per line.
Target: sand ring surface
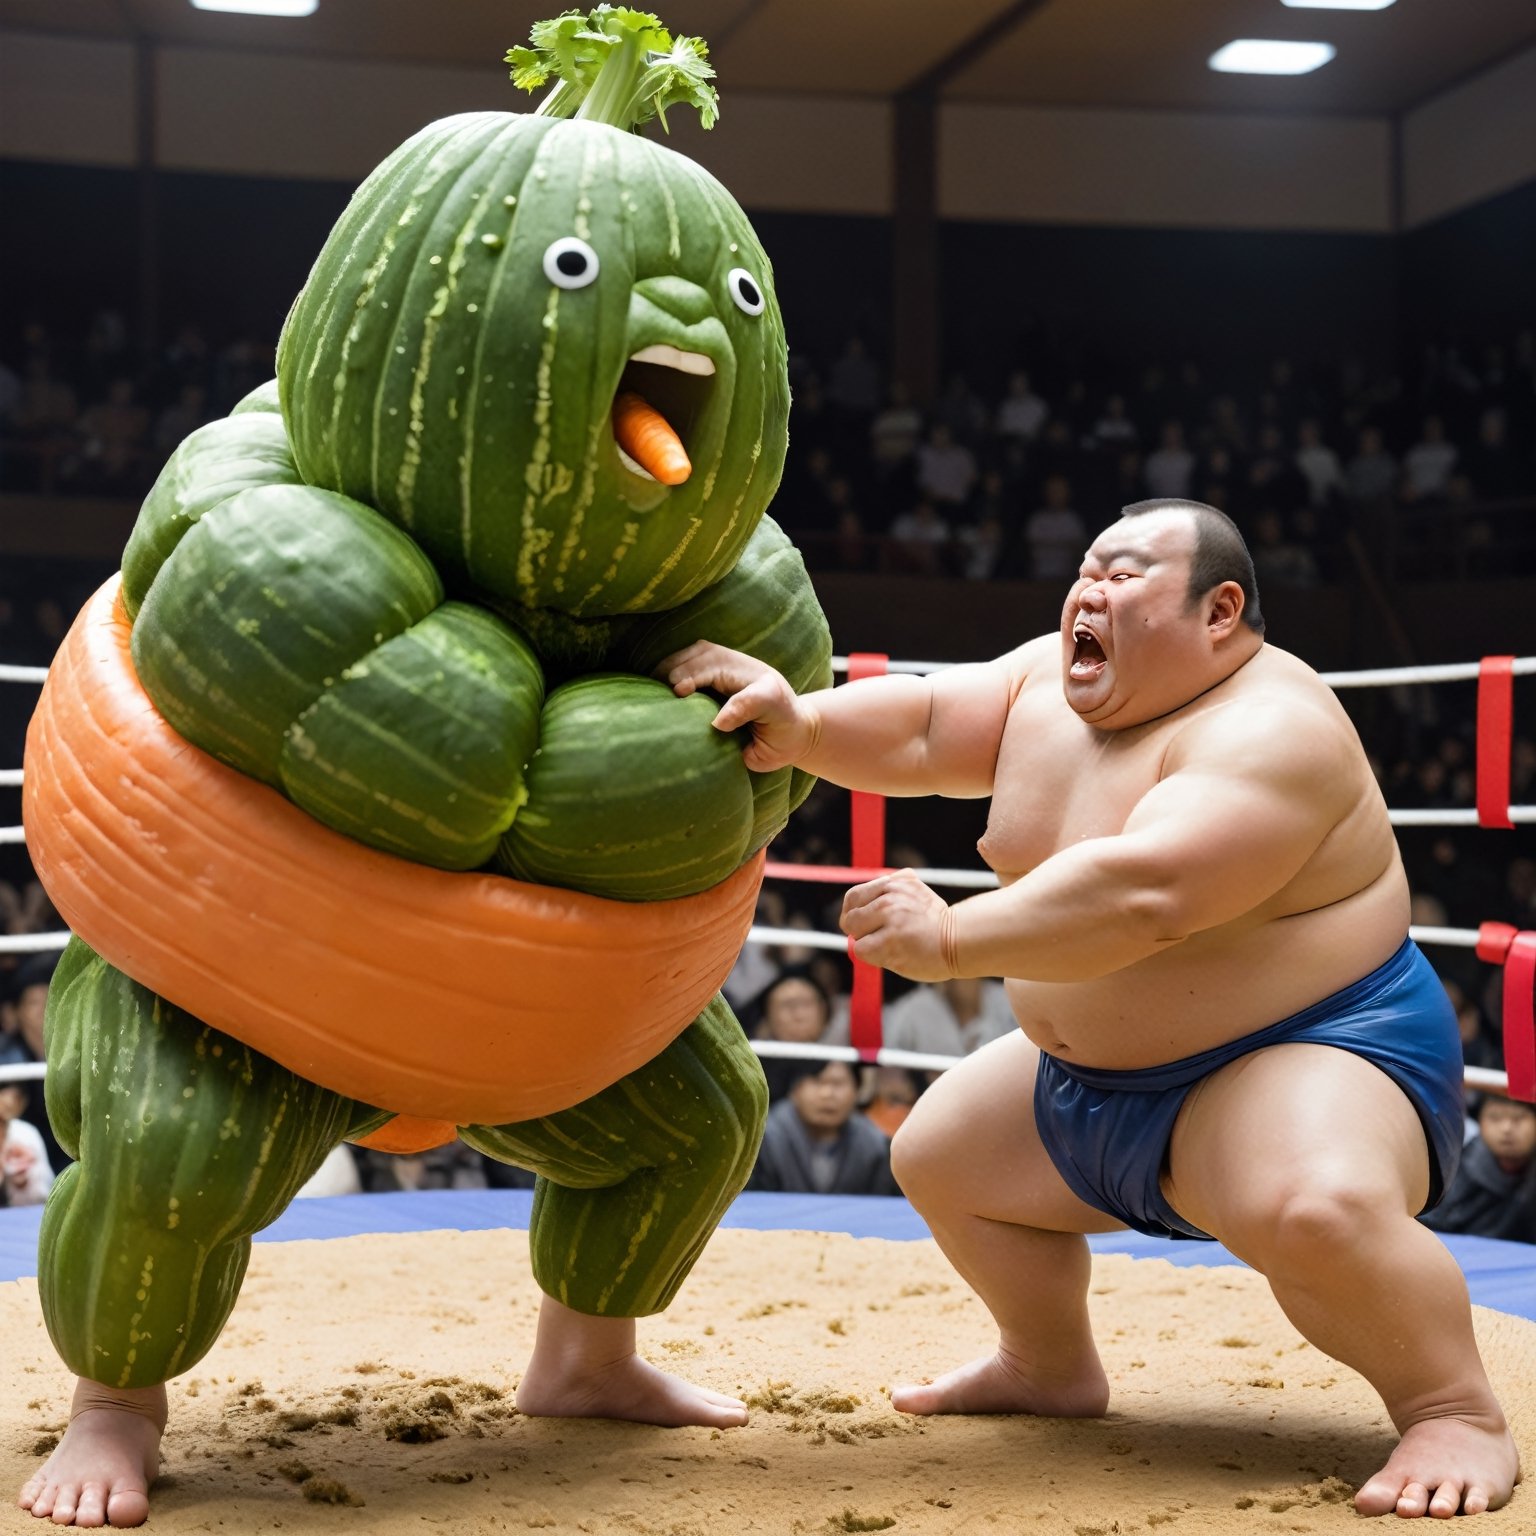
365 1384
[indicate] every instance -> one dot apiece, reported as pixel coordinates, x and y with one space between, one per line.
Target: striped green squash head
493 287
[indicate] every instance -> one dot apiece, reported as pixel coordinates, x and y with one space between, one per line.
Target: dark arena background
1037 260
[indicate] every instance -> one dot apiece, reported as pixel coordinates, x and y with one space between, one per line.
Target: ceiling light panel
1337 5
1264 56
259 7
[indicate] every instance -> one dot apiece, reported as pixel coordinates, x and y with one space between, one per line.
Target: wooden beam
916 343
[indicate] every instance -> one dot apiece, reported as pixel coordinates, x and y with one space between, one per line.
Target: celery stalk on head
617 66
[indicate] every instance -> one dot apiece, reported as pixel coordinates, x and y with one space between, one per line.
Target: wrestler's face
1132 646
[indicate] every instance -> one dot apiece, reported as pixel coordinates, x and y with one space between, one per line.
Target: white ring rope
1374 677
968 879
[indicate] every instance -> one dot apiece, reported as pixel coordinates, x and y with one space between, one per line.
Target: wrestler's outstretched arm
1248 793
894 735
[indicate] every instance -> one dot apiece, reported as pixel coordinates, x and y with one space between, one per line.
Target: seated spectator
853 384
27 1005
1114 429
949 1018
1428 465
1022 412
10 397
40 431
1217 484
1170 469
1494 1191
803 503
238 369
919 538
946 469
853 548
337 1175
961 410
1055 535
813 423
1478 1047
981 546
1226 428
46 405
895 432
114 437
26 1175
186 360
27 910
455 1166
894 1093
107 352
794 1010
1276 561
1319 465
1056 451
817 1142
1371 476
1273 478
179 421
1494 470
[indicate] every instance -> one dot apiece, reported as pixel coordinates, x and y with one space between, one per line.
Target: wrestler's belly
1214 986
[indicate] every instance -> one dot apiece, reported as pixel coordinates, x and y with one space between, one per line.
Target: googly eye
744 290
570 263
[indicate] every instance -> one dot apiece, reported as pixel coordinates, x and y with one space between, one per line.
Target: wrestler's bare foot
1442 1466
1001 1383
100 1472
586 1367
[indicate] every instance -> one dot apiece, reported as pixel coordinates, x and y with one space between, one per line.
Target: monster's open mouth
661 397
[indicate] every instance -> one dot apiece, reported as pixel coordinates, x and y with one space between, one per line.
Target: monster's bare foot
586 1367
1000 1383
1442 1467
100 1472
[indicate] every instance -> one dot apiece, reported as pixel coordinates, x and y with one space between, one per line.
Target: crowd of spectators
91 416
1005 478
1012 480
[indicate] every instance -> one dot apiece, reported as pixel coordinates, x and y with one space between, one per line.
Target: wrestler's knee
1305 1219
919 1153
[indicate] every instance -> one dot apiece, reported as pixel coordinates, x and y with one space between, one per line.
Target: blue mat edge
1499 1275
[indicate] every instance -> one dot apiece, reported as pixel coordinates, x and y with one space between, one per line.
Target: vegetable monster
531 408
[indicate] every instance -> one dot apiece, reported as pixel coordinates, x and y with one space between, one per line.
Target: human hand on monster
785 727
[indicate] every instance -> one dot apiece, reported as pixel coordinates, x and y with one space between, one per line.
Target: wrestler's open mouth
672 387
1088 658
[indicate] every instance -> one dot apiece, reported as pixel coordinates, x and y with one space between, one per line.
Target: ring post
867 839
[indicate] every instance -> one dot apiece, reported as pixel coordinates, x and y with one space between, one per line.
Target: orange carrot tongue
647 437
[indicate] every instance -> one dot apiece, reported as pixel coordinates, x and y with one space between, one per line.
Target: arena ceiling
1070 53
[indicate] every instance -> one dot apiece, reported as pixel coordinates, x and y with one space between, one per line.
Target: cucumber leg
188 1142
633 1181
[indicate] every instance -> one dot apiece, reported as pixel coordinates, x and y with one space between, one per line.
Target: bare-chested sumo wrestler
1224 1030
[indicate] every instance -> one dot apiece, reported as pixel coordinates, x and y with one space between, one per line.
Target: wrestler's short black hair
1220 553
